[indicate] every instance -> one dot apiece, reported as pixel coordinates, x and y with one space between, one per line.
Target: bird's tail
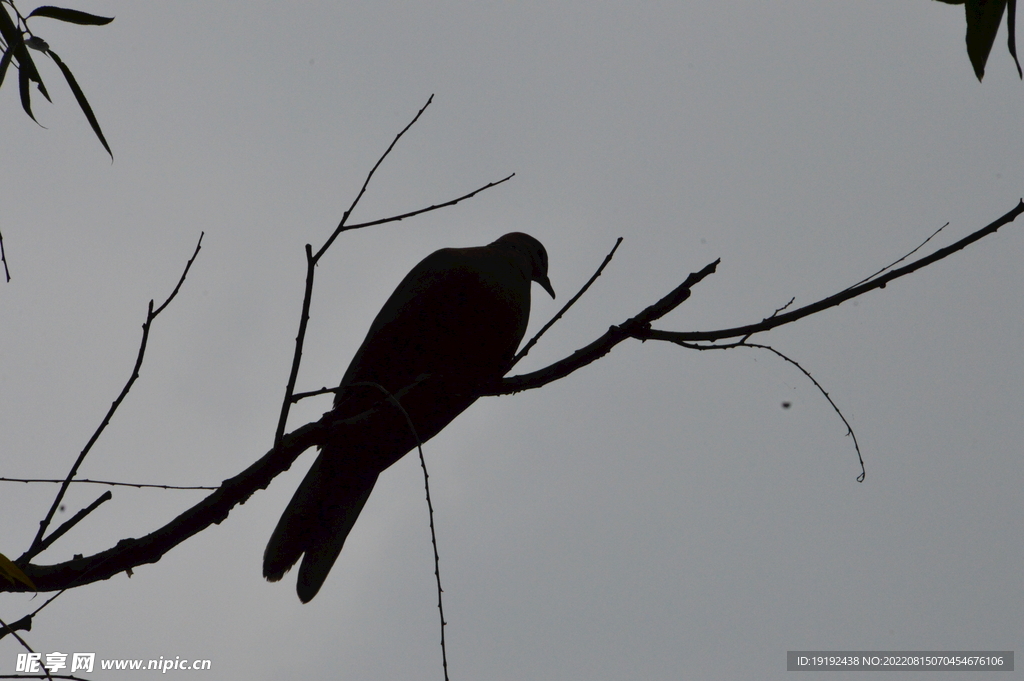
316 522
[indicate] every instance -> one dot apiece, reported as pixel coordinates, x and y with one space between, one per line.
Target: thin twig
67 525
430 512
3 257
821 389
452 202
565 308
300 340
109 483
897 262
313 393
150 316
307 297
344 218
838 298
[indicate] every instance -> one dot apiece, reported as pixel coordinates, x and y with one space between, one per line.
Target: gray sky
656 515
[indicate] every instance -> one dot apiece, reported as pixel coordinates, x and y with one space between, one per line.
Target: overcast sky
656 515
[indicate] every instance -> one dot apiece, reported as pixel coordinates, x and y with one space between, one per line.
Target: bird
451 328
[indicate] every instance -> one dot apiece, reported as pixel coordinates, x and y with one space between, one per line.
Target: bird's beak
546 283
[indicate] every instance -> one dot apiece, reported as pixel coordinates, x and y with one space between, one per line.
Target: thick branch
130 553
379 432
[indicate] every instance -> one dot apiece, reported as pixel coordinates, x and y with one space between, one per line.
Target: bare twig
344 218
60 531
452 202
821 389
150 316
842 296
430 513
897 262
109 483
533 341
300 340
307 297
313 393
3 257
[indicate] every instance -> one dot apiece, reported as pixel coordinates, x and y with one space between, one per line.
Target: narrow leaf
8 29
1011 21
42 89
5 61
983 17
82 101
13 573
26 101
72 16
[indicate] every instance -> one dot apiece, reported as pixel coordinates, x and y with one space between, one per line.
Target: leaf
82 101
72 16
8 30
983 17
12 573
1011 21
26 101
16 42
5 61
37 43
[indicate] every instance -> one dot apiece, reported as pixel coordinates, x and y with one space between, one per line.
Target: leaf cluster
983 17
17 42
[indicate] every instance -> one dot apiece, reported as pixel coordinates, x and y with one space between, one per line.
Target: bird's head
534 253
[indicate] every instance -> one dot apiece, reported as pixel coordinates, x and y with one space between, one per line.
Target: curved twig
821 389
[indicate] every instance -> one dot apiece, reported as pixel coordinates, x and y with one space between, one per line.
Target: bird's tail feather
320 557
316 522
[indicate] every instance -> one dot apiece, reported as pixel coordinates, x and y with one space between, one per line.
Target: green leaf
983 17
82 101
72 16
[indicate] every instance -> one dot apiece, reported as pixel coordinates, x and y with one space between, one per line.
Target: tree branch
380 431
838 298
34 549
603 345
